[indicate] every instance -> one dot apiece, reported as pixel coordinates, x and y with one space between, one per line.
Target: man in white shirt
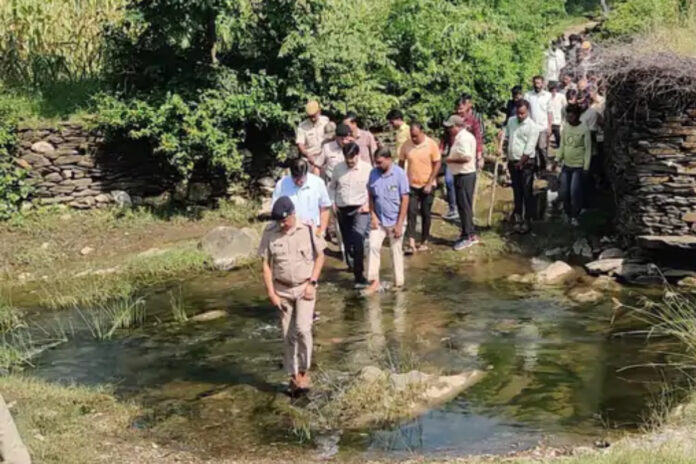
310 132
348 192
462 163
553 70
332 152
521 133
308 193
540 113
558 105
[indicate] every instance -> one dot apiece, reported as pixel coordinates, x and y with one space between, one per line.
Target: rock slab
227 245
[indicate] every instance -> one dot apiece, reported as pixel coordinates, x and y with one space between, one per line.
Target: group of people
345 174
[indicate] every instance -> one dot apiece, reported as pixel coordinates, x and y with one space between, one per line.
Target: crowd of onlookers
346 174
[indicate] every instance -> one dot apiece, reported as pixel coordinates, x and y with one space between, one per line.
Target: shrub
13 185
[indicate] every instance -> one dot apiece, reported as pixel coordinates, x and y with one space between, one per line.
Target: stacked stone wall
652 166
71 165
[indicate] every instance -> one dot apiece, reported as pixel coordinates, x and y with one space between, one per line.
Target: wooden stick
495 182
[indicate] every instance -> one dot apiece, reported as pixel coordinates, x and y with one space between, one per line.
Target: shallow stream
551 364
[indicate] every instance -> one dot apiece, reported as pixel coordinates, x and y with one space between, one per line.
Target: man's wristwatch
314 283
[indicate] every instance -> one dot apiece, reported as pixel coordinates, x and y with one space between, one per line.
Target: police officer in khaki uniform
293 256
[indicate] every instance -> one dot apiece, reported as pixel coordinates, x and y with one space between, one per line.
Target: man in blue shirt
308 193
388 189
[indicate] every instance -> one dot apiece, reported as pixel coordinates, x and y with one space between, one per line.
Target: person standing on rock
365 140
310 132
462 163
423 157
539 101
293 256
348 191
308 193
389 196
521 134
575 153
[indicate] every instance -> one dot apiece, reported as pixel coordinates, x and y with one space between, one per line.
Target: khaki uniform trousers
296 324
377 237
12 450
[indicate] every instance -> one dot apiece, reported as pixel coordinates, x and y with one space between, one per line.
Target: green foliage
638 16
198 79
13 186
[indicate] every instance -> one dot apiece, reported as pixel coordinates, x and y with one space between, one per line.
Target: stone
36 160
81 183
43 148
424 392
227 245
557 273
581 248
24 164
585 295
555 253
121 198
611 253
103 198
689 217
86 251
688 283
158 201
661 242
605 284
199 192
522 278
63 189
210 315
266 185
604 266
237 200
65 160
265 209
53 177
67 174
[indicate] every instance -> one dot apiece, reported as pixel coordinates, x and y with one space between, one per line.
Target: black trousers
464 185
419 203
523 189
354 225
556 132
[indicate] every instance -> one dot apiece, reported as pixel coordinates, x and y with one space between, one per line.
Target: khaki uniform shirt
331 156
291 255
312 134
348 187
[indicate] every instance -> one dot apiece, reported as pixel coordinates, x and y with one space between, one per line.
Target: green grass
178 305
103 321
137 273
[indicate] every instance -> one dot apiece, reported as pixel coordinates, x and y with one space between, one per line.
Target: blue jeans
449 187
572 190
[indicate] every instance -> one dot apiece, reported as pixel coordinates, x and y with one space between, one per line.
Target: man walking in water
389 196
293 256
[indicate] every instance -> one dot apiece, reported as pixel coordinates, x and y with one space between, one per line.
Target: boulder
582 249
604 266
199 192
266 185
416 393
53 177
121 198
606 284
611 253
585 295
158 201
557 273
227 245
36 160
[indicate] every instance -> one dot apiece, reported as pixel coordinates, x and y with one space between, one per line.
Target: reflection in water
551 368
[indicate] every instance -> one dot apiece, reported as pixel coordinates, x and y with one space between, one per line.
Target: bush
13 186
633 17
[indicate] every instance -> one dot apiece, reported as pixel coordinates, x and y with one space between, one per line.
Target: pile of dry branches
639 75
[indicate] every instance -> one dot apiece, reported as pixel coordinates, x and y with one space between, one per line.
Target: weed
179 310
125 313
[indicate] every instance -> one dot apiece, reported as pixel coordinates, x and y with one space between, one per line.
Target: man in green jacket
575 153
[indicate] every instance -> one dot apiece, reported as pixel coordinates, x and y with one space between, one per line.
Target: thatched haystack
650 127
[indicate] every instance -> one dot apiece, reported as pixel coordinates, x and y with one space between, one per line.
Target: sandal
422 247
408 250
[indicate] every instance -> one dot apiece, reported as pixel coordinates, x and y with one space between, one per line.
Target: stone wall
71 165
652 166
